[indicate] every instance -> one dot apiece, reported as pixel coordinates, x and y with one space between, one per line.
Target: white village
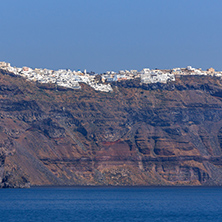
71 79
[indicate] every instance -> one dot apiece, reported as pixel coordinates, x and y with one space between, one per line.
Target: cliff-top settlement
71 79
153 127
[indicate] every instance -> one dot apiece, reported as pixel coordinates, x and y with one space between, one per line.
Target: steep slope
157 134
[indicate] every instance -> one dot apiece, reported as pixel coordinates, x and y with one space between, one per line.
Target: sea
64 204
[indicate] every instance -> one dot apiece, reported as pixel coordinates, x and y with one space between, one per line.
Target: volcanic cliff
139 134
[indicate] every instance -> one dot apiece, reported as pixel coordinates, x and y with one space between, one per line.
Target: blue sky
102 35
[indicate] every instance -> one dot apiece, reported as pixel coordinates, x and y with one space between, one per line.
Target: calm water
111 204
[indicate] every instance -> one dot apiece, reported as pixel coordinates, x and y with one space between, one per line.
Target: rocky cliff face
157 134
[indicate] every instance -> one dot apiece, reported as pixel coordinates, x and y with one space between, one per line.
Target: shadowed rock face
157 134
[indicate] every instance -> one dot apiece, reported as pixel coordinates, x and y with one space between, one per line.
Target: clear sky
101 35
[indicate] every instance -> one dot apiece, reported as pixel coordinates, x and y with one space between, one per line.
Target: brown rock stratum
157 134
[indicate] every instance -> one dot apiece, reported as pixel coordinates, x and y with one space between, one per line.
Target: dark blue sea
111 204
